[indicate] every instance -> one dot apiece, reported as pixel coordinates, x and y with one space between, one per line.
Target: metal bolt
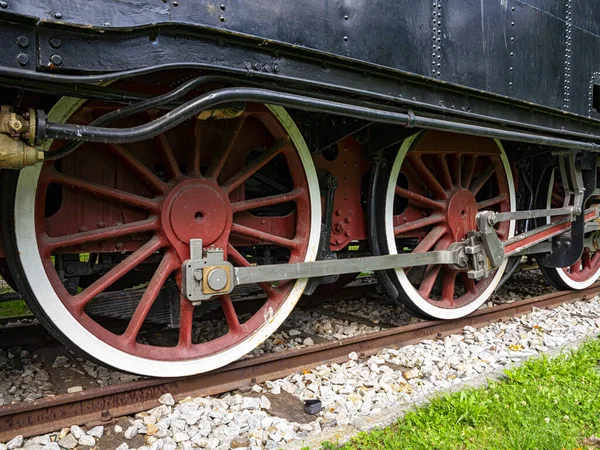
56 60
217 279
57 15
276 69
3 5
198 274
119 245
55 42
23 41
22 59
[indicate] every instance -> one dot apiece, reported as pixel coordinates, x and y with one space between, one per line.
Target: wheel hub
462 209
196 209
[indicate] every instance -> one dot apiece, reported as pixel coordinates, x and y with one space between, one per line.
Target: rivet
345 17
276 69
175 3
3 5
23 41
22 59
55 42
57 15
56 60
222 19
107 24
222 7
345 38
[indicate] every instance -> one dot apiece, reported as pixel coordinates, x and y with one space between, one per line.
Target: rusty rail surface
104 403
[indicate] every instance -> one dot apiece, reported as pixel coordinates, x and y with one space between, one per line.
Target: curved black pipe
228 95
144 105
113 76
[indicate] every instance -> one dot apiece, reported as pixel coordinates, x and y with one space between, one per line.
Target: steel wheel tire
446 172
21 242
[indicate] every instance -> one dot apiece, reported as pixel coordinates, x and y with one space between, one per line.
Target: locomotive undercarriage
186 204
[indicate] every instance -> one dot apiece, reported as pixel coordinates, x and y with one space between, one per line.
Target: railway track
105 403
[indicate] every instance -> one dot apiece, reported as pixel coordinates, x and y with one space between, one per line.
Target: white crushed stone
362 387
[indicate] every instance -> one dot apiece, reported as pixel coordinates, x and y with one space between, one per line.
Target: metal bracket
205 274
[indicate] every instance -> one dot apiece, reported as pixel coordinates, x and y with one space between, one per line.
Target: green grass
14 308
544 404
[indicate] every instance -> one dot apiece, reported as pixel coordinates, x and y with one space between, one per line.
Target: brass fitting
226 113
15 154
11 123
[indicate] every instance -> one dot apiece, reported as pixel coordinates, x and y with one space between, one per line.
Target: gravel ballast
350 392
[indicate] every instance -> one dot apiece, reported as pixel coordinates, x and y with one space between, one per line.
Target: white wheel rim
421 303
41 287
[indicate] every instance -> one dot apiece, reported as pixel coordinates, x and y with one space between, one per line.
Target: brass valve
14 152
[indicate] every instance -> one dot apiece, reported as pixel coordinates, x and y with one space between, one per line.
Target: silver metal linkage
206 274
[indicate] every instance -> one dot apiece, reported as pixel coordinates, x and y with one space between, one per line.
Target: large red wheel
435 185
246 185
585 271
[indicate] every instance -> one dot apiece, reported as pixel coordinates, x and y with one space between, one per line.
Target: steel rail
103 404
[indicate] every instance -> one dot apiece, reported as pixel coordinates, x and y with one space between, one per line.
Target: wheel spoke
195 156
186 322
246 205
49 244
467 172
448 283
482 178
468 283
117 272
230 316
168 158
431 239
165 268
136 201
557 200
418 199
445 177
250 169
576 267
586 260
220 157
419 223
456 169
431 273
135 166
262 236
238 259
491 202
426 176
